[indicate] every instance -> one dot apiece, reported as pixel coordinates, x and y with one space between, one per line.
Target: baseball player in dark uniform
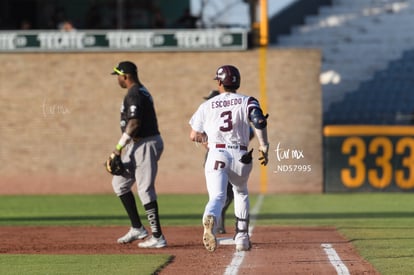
139 148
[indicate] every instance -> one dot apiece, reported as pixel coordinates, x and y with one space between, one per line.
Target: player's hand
199 137
263 151
117 152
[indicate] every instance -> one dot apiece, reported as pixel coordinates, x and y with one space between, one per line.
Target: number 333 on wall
369 158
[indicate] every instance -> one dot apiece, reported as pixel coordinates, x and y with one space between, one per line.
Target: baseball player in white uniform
223 123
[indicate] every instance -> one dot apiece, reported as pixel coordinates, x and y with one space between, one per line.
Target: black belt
241 147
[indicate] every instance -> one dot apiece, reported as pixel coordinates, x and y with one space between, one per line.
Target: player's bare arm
131 127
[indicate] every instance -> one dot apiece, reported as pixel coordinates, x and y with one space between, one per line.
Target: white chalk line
335 260
238 257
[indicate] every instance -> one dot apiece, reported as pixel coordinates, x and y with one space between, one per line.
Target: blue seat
386 99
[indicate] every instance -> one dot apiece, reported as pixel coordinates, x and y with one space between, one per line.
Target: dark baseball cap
125 67
212 94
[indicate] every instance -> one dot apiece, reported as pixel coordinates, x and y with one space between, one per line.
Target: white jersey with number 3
224 118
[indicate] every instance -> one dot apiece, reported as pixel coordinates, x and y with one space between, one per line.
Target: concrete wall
60 116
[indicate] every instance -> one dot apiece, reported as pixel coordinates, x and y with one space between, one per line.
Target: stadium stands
368 60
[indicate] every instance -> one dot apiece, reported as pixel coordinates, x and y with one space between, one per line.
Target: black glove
114 165
247 158
263 151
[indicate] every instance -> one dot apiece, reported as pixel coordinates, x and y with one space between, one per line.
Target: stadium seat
369 44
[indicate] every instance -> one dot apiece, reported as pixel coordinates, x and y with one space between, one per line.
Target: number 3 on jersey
227 115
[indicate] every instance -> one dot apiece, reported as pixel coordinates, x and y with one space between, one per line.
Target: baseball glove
114 165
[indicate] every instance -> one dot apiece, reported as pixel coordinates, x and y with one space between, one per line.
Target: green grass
80 264
379 225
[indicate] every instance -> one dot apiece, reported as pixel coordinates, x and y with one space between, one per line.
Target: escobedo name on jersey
226 103
227 120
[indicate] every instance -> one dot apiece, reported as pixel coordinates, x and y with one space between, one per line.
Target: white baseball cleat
134 234
154 242
209 239
242 241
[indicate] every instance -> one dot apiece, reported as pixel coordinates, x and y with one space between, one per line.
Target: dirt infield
276 250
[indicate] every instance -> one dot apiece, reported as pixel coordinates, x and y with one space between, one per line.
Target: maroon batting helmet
229 76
